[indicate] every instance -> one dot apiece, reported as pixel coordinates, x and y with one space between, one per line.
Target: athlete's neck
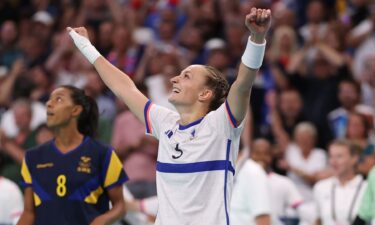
345 178
188 116
67 139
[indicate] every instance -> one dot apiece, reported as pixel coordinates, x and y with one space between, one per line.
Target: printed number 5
177 150
61 188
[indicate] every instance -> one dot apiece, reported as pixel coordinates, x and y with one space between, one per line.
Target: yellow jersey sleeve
115 174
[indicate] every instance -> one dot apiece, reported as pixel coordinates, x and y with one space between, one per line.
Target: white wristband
85 47
253 55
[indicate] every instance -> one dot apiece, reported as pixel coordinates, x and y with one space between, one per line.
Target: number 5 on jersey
61 187
177 149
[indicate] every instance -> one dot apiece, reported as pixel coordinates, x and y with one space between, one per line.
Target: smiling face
341 160
188 87
61 110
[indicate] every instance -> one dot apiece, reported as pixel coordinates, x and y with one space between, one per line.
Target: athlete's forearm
26 218
247 73
258 22
263 220
114 214
28 214
122 86
118 208
115 79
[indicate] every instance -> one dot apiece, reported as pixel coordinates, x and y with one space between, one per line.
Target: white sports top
195 165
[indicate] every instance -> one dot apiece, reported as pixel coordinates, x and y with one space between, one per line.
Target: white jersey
195 165
11 202
251 194
336 203
285 197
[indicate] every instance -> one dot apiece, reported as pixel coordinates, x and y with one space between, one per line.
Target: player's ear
77 109
205 95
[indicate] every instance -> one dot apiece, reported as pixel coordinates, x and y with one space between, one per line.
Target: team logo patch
84 166
44 165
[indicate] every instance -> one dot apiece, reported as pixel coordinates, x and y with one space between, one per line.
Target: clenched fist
258 21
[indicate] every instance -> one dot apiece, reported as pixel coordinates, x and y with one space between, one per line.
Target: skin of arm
296 64
334 57
258 22
28 214
263 220
118 208
14 151
6 87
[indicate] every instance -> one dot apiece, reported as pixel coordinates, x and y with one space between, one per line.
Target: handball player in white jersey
198 144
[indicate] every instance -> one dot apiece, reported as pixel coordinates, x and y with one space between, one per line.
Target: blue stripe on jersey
225 181
117 183
194 167
82 192
24 185
230 114
184 127
107 160
146 116
40 192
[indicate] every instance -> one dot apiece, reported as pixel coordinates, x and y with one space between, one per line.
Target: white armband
254 54
85 47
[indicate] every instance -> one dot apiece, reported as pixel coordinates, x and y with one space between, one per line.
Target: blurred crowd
316 84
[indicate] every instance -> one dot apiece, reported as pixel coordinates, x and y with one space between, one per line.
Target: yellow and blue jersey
71 188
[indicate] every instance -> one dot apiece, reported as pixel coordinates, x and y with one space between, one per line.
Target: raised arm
121 85
258 22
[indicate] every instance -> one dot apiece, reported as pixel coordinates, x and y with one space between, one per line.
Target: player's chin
50 123
172 98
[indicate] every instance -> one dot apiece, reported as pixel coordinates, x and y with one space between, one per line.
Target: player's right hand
80 37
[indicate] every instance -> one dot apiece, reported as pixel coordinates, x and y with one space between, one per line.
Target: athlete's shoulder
37 150
96 145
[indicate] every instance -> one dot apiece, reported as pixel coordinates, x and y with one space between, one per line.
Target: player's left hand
258 21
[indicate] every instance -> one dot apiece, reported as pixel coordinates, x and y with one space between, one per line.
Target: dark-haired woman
72 178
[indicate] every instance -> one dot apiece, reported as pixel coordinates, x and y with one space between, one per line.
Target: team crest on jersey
44 165
84 166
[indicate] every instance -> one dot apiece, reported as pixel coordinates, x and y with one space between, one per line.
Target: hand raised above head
258 21
81 40
79 30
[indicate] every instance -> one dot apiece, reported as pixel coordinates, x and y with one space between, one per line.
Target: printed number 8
61 188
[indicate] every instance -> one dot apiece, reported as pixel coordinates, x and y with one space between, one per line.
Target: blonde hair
276 40
306 126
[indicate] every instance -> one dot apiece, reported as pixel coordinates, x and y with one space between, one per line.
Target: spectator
138 153
285 116
9 51
283 192
358 131
349 95
251 202
124 54
13 147
316 27
338 198
304 160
